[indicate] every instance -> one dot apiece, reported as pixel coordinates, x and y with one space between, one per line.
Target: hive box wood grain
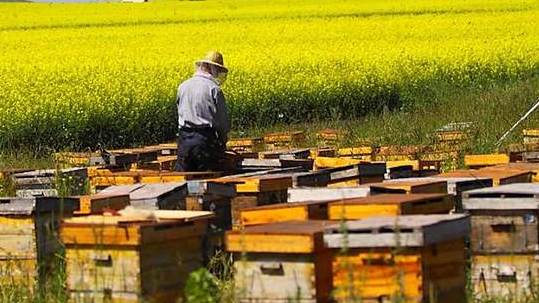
513 275
390 205
533 167
134 258
414 258
43 183
410 187
300 211
499 177
281 261
504 218
29 242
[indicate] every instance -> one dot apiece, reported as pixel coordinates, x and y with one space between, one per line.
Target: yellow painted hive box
299 211
137 256
410 187
418 258
282 261
390 205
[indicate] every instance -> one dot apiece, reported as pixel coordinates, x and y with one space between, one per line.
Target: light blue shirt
201 104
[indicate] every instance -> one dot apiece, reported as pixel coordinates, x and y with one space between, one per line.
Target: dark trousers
198 150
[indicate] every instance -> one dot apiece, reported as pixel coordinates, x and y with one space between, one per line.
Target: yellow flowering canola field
78 75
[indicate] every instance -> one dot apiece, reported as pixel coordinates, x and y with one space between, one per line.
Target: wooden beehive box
46 183
285 139
390 205
504 218
245 145
29 240
153 196
299 211
328 137
282 261
499 177
256 190
480 161
455 186
141 256
530 135
399 153
512 276
164 177
322 152
361 173
410 187
66 160
303 194
166 163
417 258
290 153
365 153
97 204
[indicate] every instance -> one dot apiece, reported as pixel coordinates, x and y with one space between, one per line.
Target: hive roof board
452 182
513 196
155 195
399 231
27 206
302 194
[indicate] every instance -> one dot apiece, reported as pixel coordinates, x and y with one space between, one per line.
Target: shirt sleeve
221 121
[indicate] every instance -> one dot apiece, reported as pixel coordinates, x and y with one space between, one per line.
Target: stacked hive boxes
504 239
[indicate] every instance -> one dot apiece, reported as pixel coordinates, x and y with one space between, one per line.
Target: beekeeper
203 116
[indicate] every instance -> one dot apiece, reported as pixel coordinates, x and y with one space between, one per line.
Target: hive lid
27 206
391 199
203 187
303 194
399 231
504 197
138 216
279 237
158 190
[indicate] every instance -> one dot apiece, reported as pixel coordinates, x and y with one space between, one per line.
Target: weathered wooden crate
303 194
97 204
45 183
243 145
331 136
283 262
510 275
390 205
455 186
322 152
145 256
290 153
169 195
499 177
29 239
405 258
285 139
504 218
299 211
363 173
480 161
404 186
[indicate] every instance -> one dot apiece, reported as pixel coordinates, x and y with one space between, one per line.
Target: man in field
203 116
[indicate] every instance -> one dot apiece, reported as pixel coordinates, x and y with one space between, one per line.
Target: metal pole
531 110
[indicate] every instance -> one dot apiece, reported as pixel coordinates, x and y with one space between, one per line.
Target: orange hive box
390 205
498 177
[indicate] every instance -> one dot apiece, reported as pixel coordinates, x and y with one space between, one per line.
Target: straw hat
214 58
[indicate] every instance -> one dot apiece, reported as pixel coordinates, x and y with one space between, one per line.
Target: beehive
410 187
290 153
406 258
361 152
29 237
66 160
480 161
328 137
533 167
285 139
96 204
504 218
499 177
399 153
48 182
455 186
246 145
166 163
361 173
300 211
256 190
146 256
390 205
530 135
153 196
282 262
